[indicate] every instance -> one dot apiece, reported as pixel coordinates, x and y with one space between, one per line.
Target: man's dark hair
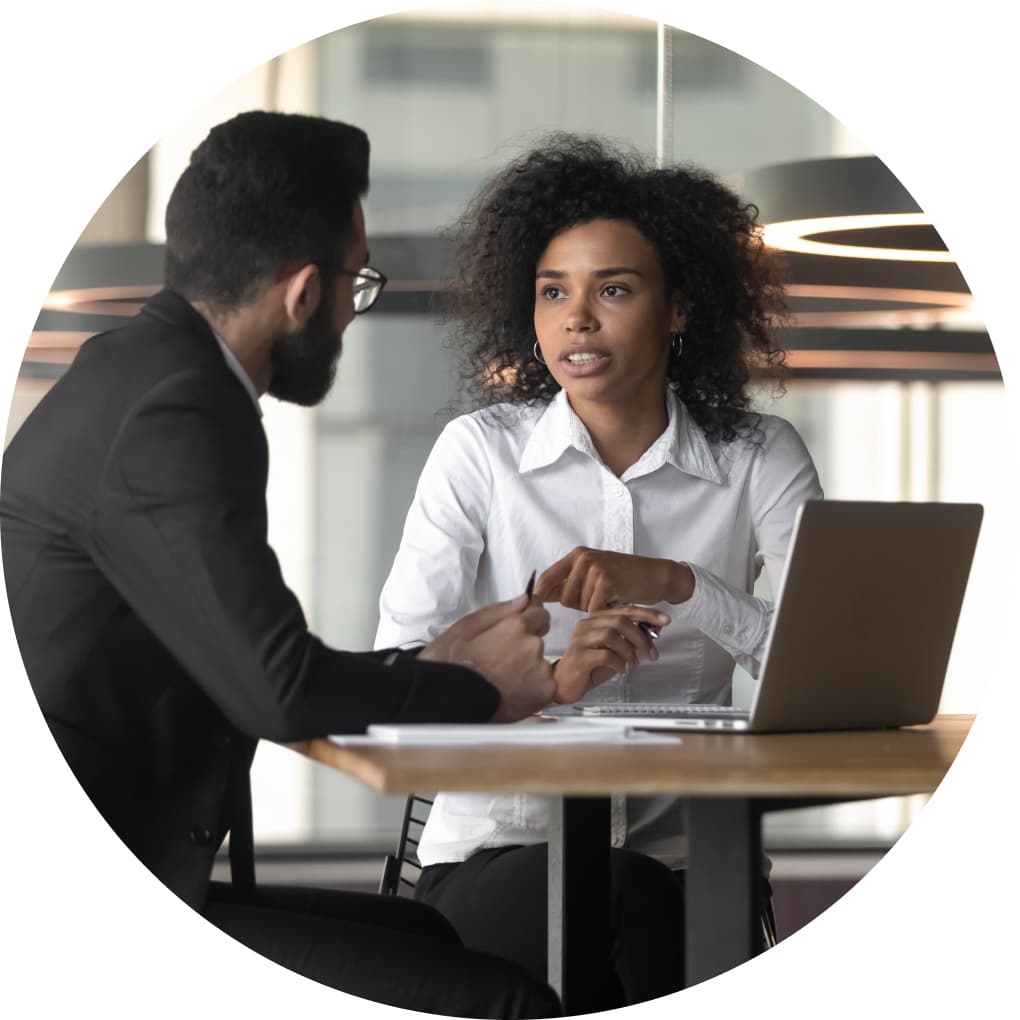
706 239
263 190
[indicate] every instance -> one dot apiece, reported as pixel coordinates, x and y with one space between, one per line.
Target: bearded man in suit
157 631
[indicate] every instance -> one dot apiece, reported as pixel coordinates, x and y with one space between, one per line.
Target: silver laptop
863 625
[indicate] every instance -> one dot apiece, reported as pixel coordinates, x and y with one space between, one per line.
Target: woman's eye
613 290
551 292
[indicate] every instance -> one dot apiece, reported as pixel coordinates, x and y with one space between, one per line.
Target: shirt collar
235 366
682 444
556 430
686 447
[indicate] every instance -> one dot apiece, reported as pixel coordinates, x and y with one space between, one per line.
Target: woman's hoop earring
678 343
538 354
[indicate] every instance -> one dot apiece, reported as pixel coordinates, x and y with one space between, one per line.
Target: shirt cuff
732 618
409 648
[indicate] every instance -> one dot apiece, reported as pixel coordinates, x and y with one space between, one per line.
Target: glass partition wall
447 98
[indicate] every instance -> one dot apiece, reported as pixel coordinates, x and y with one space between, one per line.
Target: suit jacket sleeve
180 530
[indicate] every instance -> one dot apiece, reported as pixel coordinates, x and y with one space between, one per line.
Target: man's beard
304 362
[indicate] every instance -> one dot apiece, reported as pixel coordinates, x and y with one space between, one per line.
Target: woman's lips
584 363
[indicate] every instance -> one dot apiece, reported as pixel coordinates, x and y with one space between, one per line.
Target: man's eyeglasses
368 285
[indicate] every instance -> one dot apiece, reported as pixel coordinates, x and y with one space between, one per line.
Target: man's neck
249 335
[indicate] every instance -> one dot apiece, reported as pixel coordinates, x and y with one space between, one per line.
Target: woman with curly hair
610 315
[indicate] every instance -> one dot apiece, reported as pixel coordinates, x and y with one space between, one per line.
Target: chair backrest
402 868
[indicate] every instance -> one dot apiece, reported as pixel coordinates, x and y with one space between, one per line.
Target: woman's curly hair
707 241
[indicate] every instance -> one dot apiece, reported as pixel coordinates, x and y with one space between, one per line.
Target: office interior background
894 385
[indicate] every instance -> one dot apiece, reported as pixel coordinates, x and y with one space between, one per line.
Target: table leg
723 889
578 899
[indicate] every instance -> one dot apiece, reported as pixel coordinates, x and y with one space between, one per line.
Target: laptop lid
865 615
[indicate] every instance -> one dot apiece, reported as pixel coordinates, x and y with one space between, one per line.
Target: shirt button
200 835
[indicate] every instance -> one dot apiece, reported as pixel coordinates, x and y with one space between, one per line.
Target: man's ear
302 293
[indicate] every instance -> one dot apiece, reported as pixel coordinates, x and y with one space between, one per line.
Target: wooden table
729 781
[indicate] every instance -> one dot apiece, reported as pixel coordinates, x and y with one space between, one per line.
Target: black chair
402 868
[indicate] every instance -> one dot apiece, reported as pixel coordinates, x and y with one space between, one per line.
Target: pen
530 587
650 629
652 632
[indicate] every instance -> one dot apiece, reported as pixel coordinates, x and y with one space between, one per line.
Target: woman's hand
602 645
593 579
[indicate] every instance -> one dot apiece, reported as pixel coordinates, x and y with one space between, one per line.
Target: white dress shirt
235 366
507 492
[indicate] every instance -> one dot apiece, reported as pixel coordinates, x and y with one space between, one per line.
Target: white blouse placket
618 531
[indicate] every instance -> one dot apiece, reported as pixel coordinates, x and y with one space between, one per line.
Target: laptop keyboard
660 708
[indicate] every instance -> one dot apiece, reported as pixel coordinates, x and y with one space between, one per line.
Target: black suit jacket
156 629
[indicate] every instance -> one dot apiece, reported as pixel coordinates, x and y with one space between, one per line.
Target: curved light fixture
805 235
851 207
861 252
872 290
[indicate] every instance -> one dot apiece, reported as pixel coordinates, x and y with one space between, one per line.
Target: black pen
530 587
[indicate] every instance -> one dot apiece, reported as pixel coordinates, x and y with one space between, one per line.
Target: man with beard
156 628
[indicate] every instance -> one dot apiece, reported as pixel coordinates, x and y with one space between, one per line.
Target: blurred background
894 384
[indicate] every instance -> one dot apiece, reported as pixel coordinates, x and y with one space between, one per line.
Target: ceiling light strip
795 235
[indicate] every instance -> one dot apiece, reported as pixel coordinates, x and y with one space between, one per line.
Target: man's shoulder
143 373
145 339
147 357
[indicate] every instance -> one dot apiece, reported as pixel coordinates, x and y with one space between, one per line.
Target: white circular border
88 88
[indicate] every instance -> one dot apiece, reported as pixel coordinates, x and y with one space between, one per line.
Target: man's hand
594 579
602 645
503 642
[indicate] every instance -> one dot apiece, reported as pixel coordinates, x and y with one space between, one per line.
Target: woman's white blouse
513 489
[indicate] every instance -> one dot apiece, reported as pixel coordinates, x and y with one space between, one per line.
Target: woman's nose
580 318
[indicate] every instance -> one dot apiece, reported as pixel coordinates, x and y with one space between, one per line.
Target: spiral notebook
863 625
